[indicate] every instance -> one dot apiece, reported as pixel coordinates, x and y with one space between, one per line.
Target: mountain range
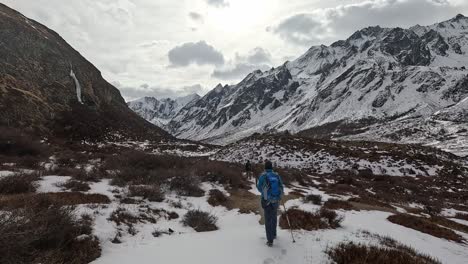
161 111
387 84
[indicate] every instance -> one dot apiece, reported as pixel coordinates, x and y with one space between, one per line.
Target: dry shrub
217 197
186 186
76 186
334 220
46 234
122 216
462 216
80 174
200 221
220 172
59 199
449 223
139 168
300 219
15 143
425 226
336 204
152 192
351 253
18 183
313 198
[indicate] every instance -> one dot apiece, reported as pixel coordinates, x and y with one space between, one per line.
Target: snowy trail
242 240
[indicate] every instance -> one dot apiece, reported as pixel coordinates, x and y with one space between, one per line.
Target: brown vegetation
151 192
217 197
299 219
425 226
351 253
313 198
200 221
20 148
10 202
18 183
76 186
46 233
335 204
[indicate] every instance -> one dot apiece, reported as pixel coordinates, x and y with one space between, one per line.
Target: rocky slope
332 157
376 76
161 111
48 87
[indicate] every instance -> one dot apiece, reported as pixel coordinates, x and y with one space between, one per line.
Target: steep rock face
38 91
161 111
376 75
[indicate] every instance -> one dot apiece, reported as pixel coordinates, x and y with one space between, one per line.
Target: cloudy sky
175 47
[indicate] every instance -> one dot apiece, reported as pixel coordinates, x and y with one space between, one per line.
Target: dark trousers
271 219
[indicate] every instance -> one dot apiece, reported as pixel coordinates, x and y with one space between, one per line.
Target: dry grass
351 253
449 223
200 221
299 219
425 226
76 186
151 192
217 197
18 183
462 216
186 185
335 204
313 198
46 233
10 202
20 148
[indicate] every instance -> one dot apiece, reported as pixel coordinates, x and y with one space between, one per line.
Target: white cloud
129 40
330 24
242 65
200 53
218 3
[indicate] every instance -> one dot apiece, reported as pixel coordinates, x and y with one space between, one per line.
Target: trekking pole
289 223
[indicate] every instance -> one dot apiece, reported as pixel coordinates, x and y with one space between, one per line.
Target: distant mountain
161 111
376 77
48 87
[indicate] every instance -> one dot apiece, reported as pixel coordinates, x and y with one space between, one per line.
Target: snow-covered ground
240 238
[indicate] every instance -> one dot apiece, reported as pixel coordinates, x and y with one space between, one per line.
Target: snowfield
240 238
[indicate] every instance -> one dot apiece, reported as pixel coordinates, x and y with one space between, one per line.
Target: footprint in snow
269 261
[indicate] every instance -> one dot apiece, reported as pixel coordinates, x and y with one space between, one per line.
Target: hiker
248 169
271 187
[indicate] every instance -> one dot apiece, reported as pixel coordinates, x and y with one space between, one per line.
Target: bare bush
462 216
76 186
18 183
313 198
333 219
217 197
16 143
352 253
46 234
200 221
187 186
59 199
220 172
152 192
299 219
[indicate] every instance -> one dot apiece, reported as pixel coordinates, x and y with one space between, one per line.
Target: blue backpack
272 189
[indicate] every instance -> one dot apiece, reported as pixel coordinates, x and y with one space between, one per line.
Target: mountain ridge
48 87
376 75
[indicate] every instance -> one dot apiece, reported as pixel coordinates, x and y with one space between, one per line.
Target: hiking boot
270 244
